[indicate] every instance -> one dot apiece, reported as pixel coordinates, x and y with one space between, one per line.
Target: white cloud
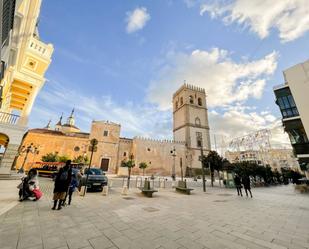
137 19
226 81
289 17
146 119
239 121
136 120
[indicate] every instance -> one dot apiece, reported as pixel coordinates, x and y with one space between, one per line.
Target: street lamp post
181 169
173 152
29 149
201 159
132 164
92 148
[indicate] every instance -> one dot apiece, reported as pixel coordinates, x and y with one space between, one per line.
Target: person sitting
28 185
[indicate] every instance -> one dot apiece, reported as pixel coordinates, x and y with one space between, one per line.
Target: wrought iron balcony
8 118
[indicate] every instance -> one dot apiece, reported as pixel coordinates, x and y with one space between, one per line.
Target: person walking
246 183
237 182
62 182
74 184
72 187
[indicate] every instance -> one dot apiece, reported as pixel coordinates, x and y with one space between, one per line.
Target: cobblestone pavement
276 217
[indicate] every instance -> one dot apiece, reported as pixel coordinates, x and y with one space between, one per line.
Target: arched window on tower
197 121
181 101
199 139
176 105
199 101
191 99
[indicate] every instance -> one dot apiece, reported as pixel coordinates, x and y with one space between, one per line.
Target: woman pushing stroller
29 187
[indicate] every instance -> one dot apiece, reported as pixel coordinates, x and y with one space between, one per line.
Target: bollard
82 190
105 190
162 184
138 184
124 190
110 184
173 184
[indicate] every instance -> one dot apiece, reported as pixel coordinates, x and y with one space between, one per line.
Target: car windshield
94 172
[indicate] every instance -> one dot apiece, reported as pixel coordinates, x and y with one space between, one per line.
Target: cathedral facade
190 134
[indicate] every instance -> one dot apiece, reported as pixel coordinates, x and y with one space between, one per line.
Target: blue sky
122 60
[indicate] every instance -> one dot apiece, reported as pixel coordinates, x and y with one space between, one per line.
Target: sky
122 60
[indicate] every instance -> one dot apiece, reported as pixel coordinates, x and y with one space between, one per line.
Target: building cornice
191 105
191 125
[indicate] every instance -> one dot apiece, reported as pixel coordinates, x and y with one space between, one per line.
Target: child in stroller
29 186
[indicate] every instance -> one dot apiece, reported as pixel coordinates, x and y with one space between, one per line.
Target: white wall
298 81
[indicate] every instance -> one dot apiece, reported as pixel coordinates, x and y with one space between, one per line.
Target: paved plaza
277 217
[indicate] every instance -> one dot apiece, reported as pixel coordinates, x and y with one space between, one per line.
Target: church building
190 134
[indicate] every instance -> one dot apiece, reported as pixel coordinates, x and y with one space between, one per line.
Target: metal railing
8 118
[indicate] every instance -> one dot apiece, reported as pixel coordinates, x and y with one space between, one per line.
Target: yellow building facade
29 58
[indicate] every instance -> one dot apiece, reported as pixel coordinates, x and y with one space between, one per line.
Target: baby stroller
28 188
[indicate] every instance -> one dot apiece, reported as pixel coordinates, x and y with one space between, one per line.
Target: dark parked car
96 179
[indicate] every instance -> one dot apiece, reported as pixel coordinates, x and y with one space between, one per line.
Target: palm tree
143 166
215 162
129 164
50 157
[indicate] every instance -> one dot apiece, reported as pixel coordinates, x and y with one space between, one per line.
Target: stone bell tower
190 121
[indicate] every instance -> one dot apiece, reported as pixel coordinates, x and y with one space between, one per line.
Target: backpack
64 176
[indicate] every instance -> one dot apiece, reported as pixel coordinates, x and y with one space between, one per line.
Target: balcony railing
40 47
8 118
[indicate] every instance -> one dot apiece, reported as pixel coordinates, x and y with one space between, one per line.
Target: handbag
37 193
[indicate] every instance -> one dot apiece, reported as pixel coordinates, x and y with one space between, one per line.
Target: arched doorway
4 141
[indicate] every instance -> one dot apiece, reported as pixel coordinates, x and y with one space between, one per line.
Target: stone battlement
107 122
167 141
189 87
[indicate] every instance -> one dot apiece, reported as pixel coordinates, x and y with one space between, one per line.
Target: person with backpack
62 183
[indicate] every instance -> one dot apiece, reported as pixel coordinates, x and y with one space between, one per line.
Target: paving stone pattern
276 218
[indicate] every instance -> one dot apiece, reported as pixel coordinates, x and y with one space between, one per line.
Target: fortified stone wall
108 136
125 150
157 154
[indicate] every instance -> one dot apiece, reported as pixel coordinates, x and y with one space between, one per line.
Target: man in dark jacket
237 182
246 183
62 183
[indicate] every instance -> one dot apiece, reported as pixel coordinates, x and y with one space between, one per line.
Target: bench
146 190
182 187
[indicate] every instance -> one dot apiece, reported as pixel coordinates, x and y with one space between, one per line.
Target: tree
143 166
81 159
215 162
128 164
50 157
63 158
